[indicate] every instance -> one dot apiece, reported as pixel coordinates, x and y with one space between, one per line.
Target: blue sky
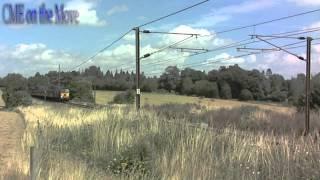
28 49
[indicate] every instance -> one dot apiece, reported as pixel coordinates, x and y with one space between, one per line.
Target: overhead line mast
138 58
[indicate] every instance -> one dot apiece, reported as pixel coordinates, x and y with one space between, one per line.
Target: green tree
15 92
225 90
187 86
81 90
150 85
206 89
169 80
245 95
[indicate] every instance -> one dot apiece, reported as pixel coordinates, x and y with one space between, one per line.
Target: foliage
15 91
225 90
278 96
206 89
119 143
231 80
81 90
149 85
16 98
187 86
245 95
170 78
127 97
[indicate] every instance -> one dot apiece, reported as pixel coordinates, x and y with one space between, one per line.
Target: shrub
278 96
225 91
206 89
245 95
314 101
81 90
15 92
16 98
135 159
127 97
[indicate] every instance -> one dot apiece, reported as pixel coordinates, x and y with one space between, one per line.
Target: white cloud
225 13
315 25
252 59
31 58
123 57
227 59
317 48
207 41
306 2
142 18
87 13
282 63
117 9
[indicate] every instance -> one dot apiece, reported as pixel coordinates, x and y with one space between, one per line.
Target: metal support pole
308 77
137 67
32 165
59 78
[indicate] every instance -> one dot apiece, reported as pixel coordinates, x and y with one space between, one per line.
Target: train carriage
51 93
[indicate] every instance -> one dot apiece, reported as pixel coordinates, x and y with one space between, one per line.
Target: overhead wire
123 35
172 14
197 64
182 10
102 50
237 44
264 22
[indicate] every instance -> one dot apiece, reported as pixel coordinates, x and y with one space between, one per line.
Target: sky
28 49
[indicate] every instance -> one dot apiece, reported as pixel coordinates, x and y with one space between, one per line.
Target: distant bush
15 92
16 98
278 96
225 90
127 97
314 101
245 95
206 89
81 90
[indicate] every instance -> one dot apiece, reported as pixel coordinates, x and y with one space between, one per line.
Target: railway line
85 105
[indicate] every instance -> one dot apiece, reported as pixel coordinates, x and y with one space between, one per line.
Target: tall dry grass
161 143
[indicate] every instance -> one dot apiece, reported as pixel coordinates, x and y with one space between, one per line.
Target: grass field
105 97
164 142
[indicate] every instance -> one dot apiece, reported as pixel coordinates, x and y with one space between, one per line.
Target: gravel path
11 131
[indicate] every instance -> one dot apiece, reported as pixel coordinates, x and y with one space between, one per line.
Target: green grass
104 97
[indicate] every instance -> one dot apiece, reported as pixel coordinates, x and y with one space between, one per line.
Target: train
52 93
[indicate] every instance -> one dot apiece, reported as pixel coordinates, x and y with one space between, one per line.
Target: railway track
85 105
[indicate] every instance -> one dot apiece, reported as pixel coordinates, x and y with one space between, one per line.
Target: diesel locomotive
53 93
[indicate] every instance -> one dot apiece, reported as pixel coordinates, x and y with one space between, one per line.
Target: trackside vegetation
169 142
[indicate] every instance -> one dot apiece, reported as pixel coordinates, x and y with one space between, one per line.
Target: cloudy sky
28 49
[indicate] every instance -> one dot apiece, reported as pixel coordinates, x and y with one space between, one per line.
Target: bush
314 101
15 92
127 97
81 90
16 98
245 95
225 90
207 89
278 96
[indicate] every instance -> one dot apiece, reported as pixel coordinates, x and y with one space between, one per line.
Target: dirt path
11 131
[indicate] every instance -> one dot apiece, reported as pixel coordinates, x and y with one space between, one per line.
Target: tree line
230 82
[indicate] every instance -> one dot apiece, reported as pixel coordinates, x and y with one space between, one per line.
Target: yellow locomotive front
65 95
